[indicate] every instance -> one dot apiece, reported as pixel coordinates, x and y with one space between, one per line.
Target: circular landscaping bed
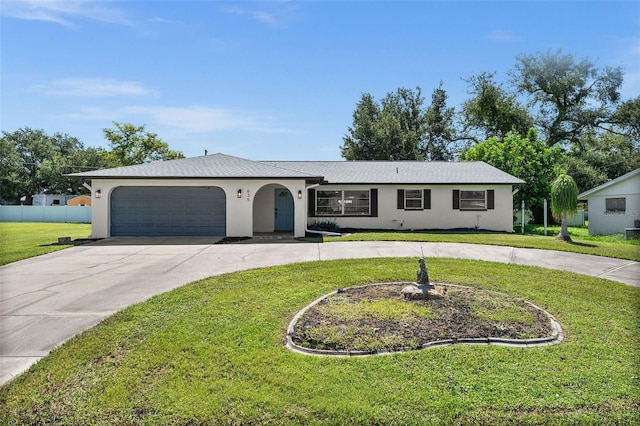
376 318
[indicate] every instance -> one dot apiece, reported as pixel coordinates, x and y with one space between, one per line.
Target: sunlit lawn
212 352
23 240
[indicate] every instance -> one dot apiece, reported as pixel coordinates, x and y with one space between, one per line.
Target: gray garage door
138 211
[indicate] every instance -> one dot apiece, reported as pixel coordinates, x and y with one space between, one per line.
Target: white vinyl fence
72 214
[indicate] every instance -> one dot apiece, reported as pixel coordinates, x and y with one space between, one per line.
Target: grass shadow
574 243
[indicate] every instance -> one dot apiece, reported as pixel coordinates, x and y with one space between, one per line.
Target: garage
143 211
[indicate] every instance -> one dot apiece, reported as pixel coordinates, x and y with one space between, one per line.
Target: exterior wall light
239 193
299 194
98 193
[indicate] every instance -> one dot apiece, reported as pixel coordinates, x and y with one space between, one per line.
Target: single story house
222 195
614 206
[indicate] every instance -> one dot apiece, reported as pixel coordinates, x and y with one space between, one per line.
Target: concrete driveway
47 299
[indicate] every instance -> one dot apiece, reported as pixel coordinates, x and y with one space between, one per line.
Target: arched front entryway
273 210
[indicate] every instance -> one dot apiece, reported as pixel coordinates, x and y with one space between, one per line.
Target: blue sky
274 80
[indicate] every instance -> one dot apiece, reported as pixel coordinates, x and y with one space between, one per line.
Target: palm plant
564 201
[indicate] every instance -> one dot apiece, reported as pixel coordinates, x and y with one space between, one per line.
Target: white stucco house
614 206
221 195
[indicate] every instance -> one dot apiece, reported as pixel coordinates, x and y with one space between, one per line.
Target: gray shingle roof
218 166
221 166
405 172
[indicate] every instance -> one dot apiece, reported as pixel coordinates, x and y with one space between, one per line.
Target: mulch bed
464 313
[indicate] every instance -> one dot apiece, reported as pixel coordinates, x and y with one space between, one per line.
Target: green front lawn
609 246
212 352
24 240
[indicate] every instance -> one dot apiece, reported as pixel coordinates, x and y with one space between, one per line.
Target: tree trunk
564 231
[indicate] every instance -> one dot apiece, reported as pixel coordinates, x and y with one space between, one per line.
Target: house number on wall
248 195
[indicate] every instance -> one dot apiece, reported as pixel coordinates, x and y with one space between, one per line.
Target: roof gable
609 184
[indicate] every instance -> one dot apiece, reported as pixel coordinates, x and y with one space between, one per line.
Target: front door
284 211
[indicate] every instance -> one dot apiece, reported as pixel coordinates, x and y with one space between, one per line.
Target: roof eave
585 195
307 178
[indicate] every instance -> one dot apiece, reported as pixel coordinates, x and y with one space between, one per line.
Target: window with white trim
473 199
413 199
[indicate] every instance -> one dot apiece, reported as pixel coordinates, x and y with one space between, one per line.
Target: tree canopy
570 97
390 130
131 145
492 111
401 128
33 162
527 158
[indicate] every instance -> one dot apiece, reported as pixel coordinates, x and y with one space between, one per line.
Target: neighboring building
80 200
50 200
221 195
615 205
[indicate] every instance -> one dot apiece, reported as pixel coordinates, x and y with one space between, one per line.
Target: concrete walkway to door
48 299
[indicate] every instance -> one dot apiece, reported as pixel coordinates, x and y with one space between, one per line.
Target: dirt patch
376 318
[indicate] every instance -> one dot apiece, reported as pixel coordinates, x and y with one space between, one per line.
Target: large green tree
527 158
564 201
132 144
13 172
53 169
33 162
400 127
492 111
569 96
627 118
440 132
390 130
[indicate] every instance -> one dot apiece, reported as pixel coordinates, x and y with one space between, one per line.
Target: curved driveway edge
48 299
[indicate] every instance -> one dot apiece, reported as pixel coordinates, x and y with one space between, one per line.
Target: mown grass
609 246
24 240
212 352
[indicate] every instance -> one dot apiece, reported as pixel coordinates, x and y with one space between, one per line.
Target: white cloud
277 14
264 17
188 120
63 12
93 87
501 36
197 119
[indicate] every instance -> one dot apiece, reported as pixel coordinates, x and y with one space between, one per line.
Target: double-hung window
414 199
473 199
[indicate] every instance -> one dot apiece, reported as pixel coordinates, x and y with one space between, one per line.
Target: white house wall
440 216
239 214
603 223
